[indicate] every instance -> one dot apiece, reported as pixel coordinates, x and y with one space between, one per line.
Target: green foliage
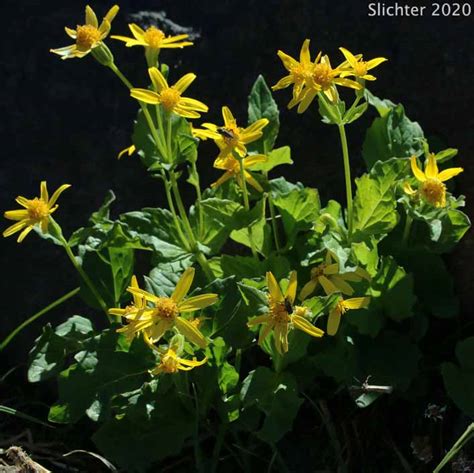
459 378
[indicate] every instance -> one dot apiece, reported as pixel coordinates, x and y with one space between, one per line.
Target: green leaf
103 213
354 114
375 202
383 106
392 135
262 105
48 355
247 267
277 157
446 155
276 395
102 369
299 210
459 378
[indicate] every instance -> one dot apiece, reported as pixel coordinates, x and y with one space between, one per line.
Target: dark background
65 121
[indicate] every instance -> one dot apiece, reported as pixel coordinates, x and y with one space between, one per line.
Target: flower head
358 67
432 188
327 274
231 166
230 137
164 313
170 97
36 211
282 315
152 38
341 308
298 71
87 36
323 79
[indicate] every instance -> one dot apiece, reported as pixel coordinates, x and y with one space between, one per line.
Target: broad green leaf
275 158
276 395
48 355
383 106
392 135
262 105
375 202
459 378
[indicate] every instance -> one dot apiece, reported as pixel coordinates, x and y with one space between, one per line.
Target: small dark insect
288 306
225 133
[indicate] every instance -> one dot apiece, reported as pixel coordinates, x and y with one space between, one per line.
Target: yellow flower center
360 69
434 191
318 271
170 98
278 311
300 73
37 209
230 134
341 308
322 75
87 36
154 37
165 308
169 362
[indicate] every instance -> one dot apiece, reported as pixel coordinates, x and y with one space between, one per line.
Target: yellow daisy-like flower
152 38
299 71
164 313
230 137
36 211
358 67
432 188
323 79
341 308
327 274
87 36
232 169
282 315
171 363
170 97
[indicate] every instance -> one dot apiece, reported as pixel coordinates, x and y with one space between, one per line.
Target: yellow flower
323 79
299 72
153 38
87 36
232 169
128 151
170 363
132 312
230 137
432 188
358 67
36 211
282 315
327 274
170 98
341 308
164 314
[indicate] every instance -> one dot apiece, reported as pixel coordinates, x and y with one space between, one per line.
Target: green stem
465 437
247 204
43 311
218 446
406 230
201 258
197 186
276 237
84 276
347 174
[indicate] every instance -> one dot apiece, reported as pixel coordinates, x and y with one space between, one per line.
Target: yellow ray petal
375 62
308 289
198 302
290 293
306 326
431 167
57 193
184 283
251 180
158 79
185 82
260 319
136 31
449 173
21 214
305 56
112 13
417 172
145 95
328 286
16 227
349 57
342 285
356 303
274 288
191 332
334 320
227 115
91 18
